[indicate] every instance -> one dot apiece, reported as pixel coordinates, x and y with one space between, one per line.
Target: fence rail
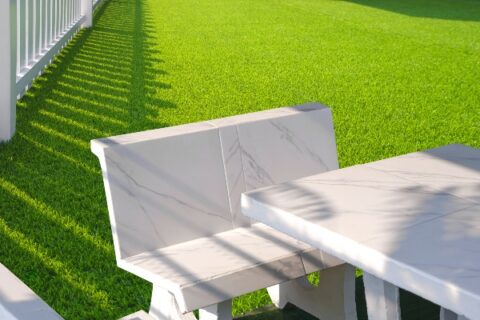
32 32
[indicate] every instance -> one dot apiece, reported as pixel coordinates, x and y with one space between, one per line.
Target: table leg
333 299
219 311
383 299
164 306
446 314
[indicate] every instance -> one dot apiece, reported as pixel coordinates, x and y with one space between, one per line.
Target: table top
412 220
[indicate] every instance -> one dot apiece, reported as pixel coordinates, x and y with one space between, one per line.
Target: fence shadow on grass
54 228
461 10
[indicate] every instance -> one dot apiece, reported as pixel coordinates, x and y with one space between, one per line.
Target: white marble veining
171 185
412 220
233 162
167 191
454 169
274 146
174 201
19 302
286 148
249 253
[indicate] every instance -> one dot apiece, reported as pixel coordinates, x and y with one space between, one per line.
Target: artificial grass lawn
400 76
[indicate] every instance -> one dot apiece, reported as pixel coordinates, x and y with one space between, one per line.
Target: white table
411 221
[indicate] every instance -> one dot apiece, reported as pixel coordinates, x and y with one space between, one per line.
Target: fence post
8 68
87 11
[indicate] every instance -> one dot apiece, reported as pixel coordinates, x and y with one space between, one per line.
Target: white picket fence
32 32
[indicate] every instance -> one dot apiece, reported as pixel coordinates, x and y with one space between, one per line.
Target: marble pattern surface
453 169
172 185
274 146
174 200
251 254
167 191
412 220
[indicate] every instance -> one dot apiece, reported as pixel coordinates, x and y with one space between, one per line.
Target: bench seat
225 265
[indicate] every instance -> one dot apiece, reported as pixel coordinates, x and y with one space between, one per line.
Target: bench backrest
176 184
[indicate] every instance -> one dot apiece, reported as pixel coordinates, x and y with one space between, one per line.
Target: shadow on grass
54 228
461 10
413 308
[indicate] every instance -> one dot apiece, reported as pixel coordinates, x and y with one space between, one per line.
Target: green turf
400 76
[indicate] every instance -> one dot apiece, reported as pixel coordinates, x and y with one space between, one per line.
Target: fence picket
32 32
8 65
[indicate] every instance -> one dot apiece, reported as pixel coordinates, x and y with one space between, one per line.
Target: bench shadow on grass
461 10
54 228
413 308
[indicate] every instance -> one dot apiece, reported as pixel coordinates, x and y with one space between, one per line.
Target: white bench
19 302
174 194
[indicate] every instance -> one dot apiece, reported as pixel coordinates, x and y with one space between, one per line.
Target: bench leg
219 311
334 298
164 306
446 314
383 299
